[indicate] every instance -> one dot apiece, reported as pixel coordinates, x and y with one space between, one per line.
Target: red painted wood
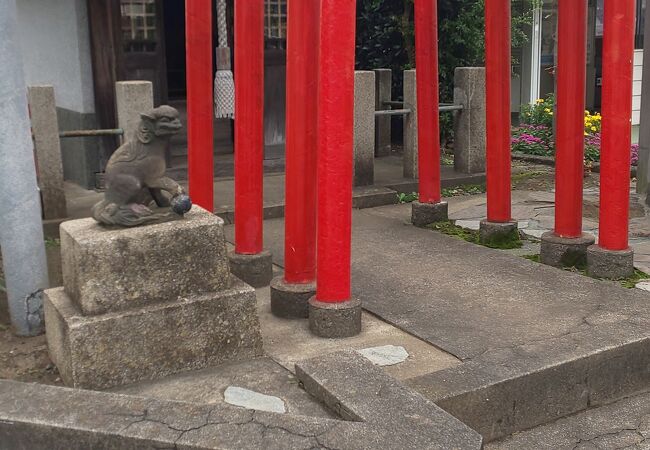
198 25
426 61
497 71
249 125
335 129
569 121
618 54
301 141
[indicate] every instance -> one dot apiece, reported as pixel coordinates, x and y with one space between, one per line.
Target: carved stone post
131 99
469 126
364 128
45 128
410 126
383 86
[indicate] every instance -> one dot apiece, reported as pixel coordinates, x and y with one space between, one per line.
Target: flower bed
535 134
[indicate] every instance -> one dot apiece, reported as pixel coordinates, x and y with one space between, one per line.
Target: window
139 25
276 19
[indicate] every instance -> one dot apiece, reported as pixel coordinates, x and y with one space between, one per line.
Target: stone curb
41 417
516 388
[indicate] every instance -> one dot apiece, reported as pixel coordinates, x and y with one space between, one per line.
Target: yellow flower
539 100
594 129
548 110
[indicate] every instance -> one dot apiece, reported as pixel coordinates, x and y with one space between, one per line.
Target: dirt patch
26 358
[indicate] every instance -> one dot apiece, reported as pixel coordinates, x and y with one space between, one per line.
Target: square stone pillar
383 93
146 302
45 130
364 128
410 125
131 99
469 126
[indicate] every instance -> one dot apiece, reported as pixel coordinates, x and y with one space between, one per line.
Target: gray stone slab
207 386
153 341
438 291
43 417
113 269
624 424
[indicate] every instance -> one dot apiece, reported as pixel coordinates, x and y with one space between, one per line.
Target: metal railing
443 107
91 133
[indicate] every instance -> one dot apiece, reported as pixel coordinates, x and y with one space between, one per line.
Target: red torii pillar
291 292
567 245
198 52
429 208
333 312
612 257
499 224
249 261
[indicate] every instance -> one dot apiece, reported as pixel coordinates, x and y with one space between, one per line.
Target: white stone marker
253 400
386 355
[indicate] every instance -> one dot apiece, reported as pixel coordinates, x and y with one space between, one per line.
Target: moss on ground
450 229
629 282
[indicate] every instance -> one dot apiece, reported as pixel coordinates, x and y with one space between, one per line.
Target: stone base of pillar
291 301
335 320
565 252
255 270
610 264
423 214
496 234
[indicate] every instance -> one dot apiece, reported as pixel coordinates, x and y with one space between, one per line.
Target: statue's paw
140 210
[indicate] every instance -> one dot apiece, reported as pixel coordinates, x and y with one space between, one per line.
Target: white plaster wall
55 43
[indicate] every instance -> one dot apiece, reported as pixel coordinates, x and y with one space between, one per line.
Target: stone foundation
143 303
335 320
423 214
610 264
291 301
256 270
557 251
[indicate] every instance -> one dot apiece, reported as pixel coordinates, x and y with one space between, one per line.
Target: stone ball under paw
181 204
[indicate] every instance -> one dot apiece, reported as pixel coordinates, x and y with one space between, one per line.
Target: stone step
536 343
623 424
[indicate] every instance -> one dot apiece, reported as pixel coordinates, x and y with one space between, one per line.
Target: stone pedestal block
495 234
364 128
410 125
98 352
383 93
256 270
112 269
565 252
423 214
335 320
469 126
143 303
291 301
609 264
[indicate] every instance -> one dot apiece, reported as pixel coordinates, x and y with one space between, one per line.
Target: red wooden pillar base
567 245
612 258
332 312
291 292
249 261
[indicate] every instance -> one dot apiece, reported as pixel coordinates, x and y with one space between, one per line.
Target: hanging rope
224 85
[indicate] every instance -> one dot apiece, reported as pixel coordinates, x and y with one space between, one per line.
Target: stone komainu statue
135 176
